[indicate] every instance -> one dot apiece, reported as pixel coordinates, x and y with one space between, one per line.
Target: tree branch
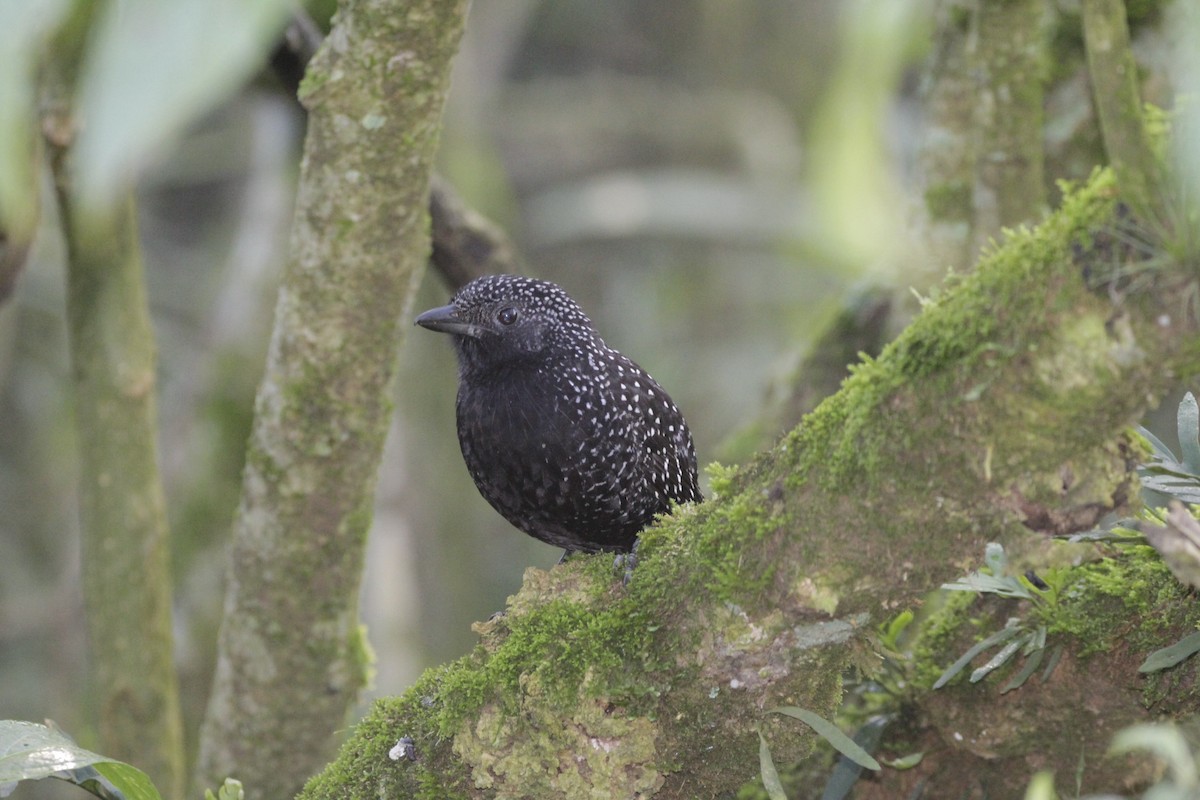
1008 63
997 415
291 663
126 564
465 243
1118 104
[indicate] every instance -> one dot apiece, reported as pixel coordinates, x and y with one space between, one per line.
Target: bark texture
1008 63
292 658
1114 77
982 156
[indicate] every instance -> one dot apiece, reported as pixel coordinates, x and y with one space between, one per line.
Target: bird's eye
508 315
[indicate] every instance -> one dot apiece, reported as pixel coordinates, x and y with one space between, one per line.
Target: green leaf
1171 469
1156 445
29 751
979 582
152 68
993 556
1168 657
995 662
1036 642
131 781
905 762
1055 657
766 767
1002 635
1183 489
1041 787
890 631
846 773
830 733
230 790
1188 425
1031 664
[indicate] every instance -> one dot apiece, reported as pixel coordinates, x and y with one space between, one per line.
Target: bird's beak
445 319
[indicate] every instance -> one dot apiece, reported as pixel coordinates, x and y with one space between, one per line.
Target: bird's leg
625 562
566 554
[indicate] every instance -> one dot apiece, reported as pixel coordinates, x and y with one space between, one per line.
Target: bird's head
498 319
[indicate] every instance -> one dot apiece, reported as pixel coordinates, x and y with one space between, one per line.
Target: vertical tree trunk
1118 104
126 565
1008 61
292 657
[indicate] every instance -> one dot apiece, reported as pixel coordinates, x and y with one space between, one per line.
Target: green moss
938 632
577 639
1130 599
533 754
364 767
311 83
721 479
743 519
972 328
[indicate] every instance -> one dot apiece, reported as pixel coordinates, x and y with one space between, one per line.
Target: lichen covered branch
291 659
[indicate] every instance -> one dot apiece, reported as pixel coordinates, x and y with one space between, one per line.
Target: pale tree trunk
126 554
292 658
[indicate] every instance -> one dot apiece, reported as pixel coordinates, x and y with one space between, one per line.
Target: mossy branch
996 416
291 657
1115 90
465 243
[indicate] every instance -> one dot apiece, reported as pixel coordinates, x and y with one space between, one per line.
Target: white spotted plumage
568 439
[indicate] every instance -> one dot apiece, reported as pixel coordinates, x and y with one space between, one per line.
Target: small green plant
1166 741
230 790
1165 476
1026 638
849 749
891 630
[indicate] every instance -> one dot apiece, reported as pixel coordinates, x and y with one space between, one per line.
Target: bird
569 440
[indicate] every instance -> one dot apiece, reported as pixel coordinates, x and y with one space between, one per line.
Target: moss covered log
998 415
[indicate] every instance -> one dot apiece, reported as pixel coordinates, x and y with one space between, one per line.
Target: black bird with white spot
569 440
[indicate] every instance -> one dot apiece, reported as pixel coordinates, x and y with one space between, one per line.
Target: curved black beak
445 319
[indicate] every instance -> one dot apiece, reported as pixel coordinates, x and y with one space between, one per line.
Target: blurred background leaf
32 752
152 68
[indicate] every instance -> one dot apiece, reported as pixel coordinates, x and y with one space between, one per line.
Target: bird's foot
625 562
